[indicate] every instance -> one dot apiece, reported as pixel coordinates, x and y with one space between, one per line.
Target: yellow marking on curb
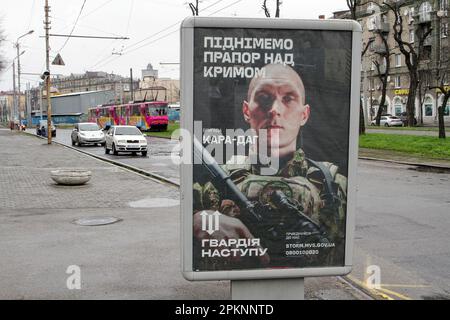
372 290
405 286
403 297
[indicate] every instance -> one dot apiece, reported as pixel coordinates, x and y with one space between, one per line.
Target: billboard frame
187 119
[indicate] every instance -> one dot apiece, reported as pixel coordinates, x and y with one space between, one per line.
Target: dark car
41 129
404 117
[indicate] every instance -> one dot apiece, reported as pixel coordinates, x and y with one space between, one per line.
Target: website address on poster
310 245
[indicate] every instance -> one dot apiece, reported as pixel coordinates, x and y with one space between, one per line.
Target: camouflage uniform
300 179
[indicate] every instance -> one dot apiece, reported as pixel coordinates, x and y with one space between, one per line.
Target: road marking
383 292
370 290
403 297
406 286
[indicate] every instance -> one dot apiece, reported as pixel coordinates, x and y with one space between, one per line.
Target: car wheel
79 142
114 150
386 124
144 153
373 124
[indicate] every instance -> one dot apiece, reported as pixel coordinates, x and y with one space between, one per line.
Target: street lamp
13 110
18 70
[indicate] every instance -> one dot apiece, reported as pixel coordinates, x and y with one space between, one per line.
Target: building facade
9 109
97 81
377 24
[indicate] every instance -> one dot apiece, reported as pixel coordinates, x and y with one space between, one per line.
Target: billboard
270 119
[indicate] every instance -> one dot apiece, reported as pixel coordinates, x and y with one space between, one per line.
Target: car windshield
394 117
89 127
120 131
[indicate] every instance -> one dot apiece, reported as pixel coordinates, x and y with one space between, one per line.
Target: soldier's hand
229 228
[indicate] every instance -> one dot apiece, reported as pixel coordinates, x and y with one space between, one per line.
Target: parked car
388 121
87 133
404 117
125 139
41 129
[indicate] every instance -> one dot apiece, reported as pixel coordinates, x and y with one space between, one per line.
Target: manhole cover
96 221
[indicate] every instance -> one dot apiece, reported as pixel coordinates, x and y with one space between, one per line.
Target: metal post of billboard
268 289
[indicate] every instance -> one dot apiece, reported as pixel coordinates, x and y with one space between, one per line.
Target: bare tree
440 76
354 6
413 55
194 8
422 88
383 74
266 10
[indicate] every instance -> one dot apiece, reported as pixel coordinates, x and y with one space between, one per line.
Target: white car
125 139
87 133
388 121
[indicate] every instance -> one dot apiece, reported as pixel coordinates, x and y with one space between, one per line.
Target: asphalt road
402 226
402 221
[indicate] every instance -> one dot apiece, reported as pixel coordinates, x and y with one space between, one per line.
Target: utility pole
18 71
28 107
18 83
40 100
47 77
131 84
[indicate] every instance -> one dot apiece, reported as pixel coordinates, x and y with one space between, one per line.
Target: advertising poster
271 120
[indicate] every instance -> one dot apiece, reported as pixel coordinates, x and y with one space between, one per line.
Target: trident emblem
210 221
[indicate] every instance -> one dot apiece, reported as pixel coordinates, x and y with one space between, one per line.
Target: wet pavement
403 227
402 223
46 229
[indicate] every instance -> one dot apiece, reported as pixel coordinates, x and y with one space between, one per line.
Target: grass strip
423 146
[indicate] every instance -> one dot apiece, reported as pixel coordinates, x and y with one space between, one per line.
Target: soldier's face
276 105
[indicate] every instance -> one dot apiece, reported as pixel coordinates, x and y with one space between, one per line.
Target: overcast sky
151 25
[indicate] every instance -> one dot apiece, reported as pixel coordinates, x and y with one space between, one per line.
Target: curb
422 165
363 290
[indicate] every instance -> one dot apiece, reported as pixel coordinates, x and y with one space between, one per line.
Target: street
402 221
402 226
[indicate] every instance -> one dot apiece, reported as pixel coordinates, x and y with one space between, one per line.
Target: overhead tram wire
31 15
113 58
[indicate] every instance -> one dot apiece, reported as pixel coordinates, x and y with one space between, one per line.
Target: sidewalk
137 258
